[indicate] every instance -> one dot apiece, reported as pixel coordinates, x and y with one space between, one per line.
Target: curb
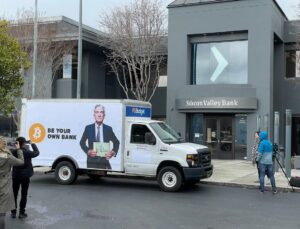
248 186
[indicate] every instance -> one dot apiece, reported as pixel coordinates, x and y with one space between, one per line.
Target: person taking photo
7 161
21 177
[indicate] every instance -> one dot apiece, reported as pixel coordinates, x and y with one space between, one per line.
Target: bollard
276 135
288 131
281 155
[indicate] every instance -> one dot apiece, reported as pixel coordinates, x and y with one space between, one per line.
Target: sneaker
274 192
261 191
22 215
13 215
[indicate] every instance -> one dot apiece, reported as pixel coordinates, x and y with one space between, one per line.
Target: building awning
216 103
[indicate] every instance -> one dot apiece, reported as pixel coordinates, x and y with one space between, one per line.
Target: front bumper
197 172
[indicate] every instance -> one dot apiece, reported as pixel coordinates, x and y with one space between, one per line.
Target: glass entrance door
219 136
211 135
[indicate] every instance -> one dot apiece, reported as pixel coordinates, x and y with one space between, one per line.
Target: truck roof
74 100
145 121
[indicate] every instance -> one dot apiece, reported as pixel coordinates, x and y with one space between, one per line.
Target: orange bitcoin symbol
37 133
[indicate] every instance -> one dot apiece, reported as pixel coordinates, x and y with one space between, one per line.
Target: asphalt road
116 203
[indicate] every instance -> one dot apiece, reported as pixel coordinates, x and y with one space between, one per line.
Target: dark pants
24 183
2 220
98 163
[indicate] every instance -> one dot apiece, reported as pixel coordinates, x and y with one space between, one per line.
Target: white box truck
99 137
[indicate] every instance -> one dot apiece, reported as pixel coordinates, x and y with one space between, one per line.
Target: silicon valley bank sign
217 103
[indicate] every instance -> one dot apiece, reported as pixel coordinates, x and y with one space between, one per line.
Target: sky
93 8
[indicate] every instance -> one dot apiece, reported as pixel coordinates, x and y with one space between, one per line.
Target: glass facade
196 129
8 127
220 63
292 60
224 135
240 136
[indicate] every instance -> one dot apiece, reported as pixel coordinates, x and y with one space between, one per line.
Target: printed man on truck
99 134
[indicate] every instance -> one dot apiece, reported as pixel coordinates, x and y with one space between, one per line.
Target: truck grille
204 157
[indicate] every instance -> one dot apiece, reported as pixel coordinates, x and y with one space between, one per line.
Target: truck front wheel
65 173
169 179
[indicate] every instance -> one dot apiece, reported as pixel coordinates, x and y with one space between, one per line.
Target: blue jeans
262 169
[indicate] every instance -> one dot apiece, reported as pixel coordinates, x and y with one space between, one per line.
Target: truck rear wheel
169 179
65 173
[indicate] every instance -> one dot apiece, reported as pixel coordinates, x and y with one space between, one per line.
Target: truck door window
138 133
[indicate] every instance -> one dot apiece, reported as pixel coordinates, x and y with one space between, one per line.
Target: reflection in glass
211 136
165 132
226 137
220 63
196 129
241 136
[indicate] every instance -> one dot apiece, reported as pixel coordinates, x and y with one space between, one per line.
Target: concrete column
265 123
288 132
258 123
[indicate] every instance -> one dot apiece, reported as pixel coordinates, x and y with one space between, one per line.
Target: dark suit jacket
89 134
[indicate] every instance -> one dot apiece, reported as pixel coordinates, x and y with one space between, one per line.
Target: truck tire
169 179
65 173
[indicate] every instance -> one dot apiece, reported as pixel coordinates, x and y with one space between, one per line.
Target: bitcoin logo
37 133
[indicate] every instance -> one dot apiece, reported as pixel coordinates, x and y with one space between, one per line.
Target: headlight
192 159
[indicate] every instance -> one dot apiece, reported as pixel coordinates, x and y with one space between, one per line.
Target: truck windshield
165 133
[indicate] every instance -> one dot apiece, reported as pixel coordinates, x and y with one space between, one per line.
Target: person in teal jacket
265 160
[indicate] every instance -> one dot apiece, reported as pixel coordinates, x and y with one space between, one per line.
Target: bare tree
134 37
51 49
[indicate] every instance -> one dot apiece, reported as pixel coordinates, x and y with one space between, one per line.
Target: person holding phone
7 161
21 176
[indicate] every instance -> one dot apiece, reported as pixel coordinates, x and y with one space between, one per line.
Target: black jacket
26 171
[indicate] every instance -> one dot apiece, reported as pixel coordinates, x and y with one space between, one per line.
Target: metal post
35 33
288 132
258 125
79 51
265 123
276 135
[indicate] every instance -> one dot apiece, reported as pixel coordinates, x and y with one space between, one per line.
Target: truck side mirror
150 138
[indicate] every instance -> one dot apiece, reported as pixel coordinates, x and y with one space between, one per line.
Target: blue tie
98 134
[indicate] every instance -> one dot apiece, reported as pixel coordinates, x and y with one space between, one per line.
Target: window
196 128
138 133
65 66
8 127
292 68
220 63
165 133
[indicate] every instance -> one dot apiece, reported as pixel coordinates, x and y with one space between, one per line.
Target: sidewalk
239 173
242 173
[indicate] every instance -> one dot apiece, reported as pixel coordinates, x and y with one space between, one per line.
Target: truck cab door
140 150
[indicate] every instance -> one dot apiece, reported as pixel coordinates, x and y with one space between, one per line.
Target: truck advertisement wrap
134 111
90 133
